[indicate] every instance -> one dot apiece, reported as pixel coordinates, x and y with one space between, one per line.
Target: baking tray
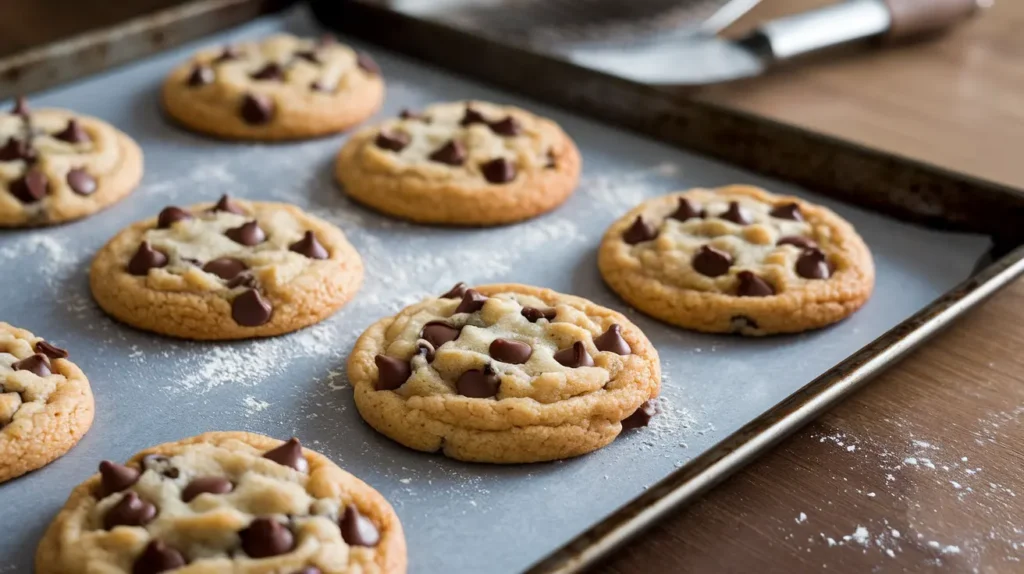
725 399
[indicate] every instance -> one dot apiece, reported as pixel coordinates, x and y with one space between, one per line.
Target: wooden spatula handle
913 17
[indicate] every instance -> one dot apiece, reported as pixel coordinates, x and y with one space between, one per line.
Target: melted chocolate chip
639 232
309 56
736 214
81 182
257 109
245 279
472 301
456 292
15 150
272 71
146 258
423 347
266 537
73 133
499 170
411 115
248 234
227 268
367 64
31 187
534 314
228 53
552 162
751 285
575 356
171 215
225 203
509 126
160 464
204 485
612 341
392 141
289 454
788 211
200 76
115 478
356 529
478 383
686 210
318 86
250 309
797 241
37 363
129 511
451 153
472 116
308 570
392 372
711 262
20 107
156 558
438 333
641 417
511 352
51 351
812 265
309 247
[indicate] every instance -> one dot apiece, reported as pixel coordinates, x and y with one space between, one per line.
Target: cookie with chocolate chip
58 166
737 259
230 270
504 374
461 163
46 403
280 88
224 502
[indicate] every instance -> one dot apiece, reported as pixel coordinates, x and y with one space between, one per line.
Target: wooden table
922 470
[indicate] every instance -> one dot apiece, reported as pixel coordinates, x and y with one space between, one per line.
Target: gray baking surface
457 517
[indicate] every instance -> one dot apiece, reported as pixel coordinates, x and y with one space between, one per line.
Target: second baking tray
724 398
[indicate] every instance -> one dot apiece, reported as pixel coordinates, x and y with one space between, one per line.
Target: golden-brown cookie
230 270
461 163
46 403
505 373
224 502
280 88
737 259
57 166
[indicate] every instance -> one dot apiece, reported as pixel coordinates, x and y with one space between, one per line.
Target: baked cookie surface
461 163
46 404
280 88
737 259
504 373
57 166
224 502
230 270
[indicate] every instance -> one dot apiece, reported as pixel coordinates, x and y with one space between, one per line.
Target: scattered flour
253 405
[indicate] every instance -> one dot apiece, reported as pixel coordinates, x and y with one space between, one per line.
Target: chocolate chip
423 347
534 314
73 133
499 170
228 53
788 211
356 529
639 232
711 262
248 234
250 309
478 383
206 484
308 570
612 341
686 210
393 141
552 163
227 268
115 478
289 454
507 127
225 203
51 351
308 55
812 265
511 352
129 511
20 107
272 71
81 182
471 116
37 363
797 241
411 115
266 537
16 149
309 247
575 356
392 372
200 76
318 86
257 109
146 258
736 214
31 187
751 285
641 416
472 302
171 215
157 557
438 333
367 64
456 292
451 153
160 464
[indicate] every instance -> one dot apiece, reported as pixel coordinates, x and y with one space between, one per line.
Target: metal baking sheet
458 517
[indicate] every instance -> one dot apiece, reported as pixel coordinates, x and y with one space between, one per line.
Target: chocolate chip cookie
505 374
230 270
280 88
461 163
737 259
46 404
224 502
57 166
